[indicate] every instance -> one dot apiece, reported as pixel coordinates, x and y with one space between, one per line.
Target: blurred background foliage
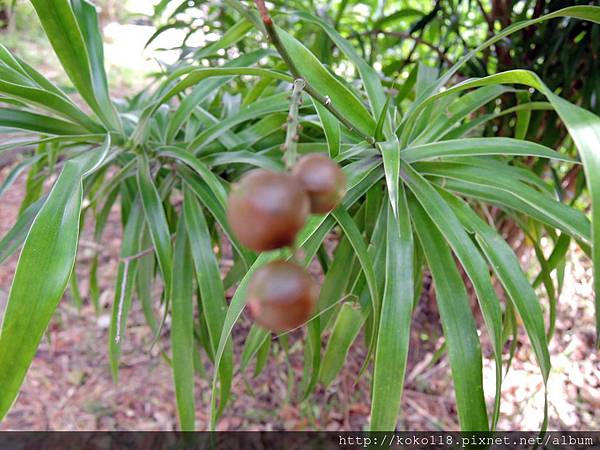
393 36
397 36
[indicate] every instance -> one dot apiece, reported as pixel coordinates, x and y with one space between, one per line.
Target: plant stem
419 40
293 125
145 252
324 100
319 313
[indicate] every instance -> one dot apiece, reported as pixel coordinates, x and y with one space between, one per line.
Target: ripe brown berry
323 180
267 209
281 296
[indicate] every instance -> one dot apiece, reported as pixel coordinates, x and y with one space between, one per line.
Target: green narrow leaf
87 18
262 357
65 35
591 13
508 270
535 233
178 24
479 147
334 286
156 220
382 120
255 339
346 327
24 68
235 33
336 279
523 116
74 291
312 358
478 122
243 157
266 126
458 110
360 248
331 127
211 180
356 240
50 102
94 291
268 105
124 284
394 325
470 258
458 324
182 330
212 293
510 191
506 265
126 275
15 237
145 282
24 120
16 171
194 77
42 273
390 150
584 128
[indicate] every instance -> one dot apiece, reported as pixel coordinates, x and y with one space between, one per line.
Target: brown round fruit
267 209
281 296
323 180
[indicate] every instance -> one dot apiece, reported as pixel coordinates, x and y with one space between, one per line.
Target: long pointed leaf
458 324
42 273
394 325
182 330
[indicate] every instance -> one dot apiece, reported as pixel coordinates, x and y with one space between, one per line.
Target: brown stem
489 21
322 99
264 12
408 59
417 39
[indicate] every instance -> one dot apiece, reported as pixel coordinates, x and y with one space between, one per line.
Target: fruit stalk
290 146
324 100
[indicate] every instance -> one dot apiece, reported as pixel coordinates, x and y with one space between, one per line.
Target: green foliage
421 176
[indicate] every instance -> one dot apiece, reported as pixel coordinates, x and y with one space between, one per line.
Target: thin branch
139 255
490 24
417 39
264 13
145 252
487 18
408 59
322 99
319 314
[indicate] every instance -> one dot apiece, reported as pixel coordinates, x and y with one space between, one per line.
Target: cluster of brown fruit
266 211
